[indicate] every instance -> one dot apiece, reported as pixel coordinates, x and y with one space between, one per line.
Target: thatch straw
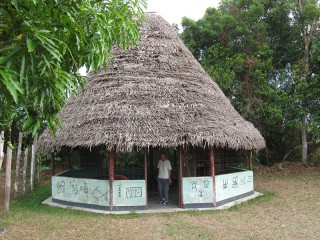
156 94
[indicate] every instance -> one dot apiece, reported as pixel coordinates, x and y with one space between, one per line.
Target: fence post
24 173
7 181
52 164
250 160
1 148
33 162
16 179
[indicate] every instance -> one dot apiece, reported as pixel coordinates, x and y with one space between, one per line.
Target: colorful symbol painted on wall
194 185
206 183
134 192
243 180
75 188
119 190
201 191
97 194
84 188
197 190
225 183
235 182
60 187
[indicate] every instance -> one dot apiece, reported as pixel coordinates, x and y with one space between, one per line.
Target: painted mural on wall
129 193
233 184
81 190
197 190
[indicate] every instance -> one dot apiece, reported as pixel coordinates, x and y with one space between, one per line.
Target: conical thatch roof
156 94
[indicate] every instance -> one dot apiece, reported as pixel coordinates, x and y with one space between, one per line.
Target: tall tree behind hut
230 43
264 55
293 30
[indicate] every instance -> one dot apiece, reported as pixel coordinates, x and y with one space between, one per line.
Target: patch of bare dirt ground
286 167
289 209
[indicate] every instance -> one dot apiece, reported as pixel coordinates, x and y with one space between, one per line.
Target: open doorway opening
153 192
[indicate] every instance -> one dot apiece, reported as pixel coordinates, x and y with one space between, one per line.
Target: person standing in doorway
164 178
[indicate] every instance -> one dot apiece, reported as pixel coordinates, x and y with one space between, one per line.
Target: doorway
152 186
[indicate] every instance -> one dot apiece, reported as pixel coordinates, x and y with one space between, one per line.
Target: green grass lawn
289 209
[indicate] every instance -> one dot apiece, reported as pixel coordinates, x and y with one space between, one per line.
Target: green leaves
9 80
256 52
31 45
46 42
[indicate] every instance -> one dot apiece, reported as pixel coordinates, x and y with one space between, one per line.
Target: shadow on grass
32 202
266 197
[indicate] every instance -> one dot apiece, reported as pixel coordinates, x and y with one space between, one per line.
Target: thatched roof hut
156 94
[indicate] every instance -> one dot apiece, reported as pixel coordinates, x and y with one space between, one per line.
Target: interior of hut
94 164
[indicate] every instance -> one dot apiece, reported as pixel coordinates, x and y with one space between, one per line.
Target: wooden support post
24 172
16 178
180 177
33 162
146 174
52 163
7 181
68 159
213 175
1 148
151 175
111 175
250 161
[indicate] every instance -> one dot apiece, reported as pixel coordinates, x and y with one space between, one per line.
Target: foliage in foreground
44 43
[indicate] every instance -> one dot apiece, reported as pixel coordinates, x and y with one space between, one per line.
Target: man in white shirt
164 178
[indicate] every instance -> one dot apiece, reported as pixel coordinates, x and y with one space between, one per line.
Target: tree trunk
304 142
16 179
7 181
33 162
24 174
1 148
308 31
267 156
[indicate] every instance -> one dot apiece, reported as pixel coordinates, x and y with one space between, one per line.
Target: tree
44 43
231 44
296 47
264 55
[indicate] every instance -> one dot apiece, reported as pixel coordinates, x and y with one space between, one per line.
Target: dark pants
163 186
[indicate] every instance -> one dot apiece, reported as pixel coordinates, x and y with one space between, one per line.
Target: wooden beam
52 159
213 175
146 174
111 176
151 173
250 161
68 159
180 177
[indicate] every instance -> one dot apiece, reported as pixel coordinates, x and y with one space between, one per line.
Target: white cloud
174 10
